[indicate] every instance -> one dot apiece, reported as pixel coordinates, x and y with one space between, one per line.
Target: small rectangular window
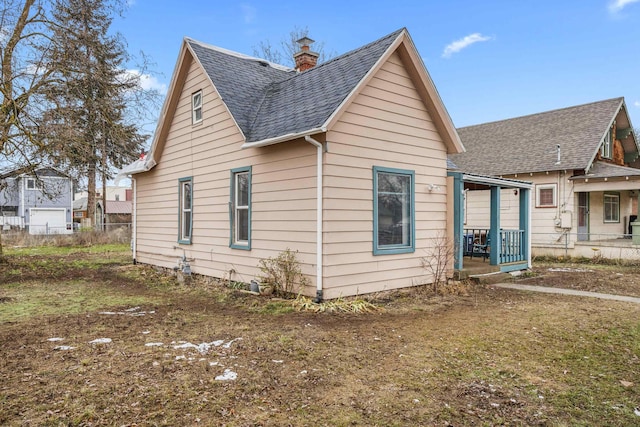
196 107
606 149
240 208
31 184
185 213
611 207
393 211
546 196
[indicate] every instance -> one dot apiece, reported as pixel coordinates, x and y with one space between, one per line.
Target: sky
490 60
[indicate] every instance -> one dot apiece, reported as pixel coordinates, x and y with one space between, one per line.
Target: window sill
392 251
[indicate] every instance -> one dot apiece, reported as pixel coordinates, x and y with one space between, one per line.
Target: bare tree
24 78
283 53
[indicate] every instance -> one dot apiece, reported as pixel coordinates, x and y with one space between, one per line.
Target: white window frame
196 107
554 188
30 184
615 207
186 211
237 208
606 149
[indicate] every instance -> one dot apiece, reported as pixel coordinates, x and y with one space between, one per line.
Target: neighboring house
40 202
584 164
345 163
114 192
117 212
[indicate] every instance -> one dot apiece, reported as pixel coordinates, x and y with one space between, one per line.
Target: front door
583 216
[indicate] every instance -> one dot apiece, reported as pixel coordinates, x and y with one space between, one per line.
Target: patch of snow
146 332
204 347
132 309
228 375
228 345
570 270
636 411
277 361
153 344
181 357
128 312
108 313
63 347
55 339
100 341
214 363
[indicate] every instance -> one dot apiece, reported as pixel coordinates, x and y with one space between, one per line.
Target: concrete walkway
567 292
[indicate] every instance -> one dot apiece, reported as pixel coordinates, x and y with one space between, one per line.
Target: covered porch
501 250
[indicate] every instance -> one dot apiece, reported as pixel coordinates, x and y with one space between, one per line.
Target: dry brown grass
501 357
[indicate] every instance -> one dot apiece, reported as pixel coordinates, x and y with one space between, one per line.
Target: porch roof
493 180
608 170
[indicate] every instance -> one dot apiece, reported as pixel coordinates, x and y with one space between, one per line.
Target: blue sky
490 60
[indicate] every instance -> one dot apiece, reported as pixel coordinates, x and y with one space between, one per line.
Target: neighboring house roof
271 103
528 144
115 207
607 170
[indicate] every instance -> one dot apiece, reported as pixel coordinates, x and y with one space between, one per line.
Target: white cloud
636 104
147 81
616 6
248 12
462 43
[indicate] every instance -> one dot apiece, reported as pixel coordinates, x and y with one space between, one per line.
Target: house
40 202
584 164
118 212
344 162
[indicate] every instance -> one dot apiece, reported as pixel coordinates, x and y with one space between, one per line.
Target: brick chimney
305 58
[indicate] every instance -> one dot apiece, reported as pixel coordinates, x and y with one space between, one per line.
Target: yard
88 339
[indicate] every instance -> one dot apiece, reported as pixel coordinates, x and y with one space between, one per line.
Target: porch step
491 278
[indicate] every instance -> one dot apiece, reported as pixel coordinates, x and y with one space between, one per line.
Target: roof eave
283 138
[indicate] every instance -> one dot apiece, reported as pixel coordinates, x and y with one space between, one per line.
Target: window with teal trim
185 210
393 211
240 208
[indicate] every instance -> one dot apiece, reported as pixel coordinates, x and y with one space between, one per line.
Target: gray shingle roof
608 170
268 101
528 143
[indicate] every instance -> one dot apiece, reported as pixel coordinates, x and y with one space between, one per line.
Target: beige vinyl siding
386 125
283 209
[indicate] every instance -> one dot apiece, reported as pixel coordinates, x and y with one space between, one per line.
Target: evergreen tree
88 124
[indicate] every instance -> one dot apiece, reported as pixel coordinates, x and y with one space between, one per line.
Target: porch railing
512 248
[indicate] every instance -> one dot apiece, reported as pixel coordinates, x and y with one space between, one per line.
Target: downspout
319 215
134 219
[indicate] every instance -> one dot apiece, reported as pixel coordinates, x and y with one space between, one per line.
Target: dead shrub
283 273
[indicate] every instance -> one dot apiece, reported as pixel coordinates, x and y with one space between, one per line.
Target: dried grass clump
355 306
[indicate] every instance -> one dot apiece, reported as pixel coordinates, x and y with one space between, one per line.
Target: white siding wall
387 125
283 193
545 229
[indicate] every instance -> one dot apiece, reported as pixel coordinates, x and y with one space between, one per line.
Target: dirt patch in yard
611 279
157 353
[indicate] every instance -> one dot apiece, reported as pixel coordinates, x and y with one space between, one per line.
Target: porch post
494 231
525 225
458 219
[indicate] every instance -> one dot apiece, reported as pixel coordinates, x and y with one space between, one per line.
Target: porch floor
471 266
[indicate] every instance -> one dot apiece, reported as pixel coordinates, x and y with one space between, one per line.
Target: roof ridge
240 55
344 55
620 98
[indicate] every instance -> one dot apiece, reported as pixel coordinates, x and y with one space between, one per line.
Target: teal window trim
616 206
379 249
234 243
185 238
